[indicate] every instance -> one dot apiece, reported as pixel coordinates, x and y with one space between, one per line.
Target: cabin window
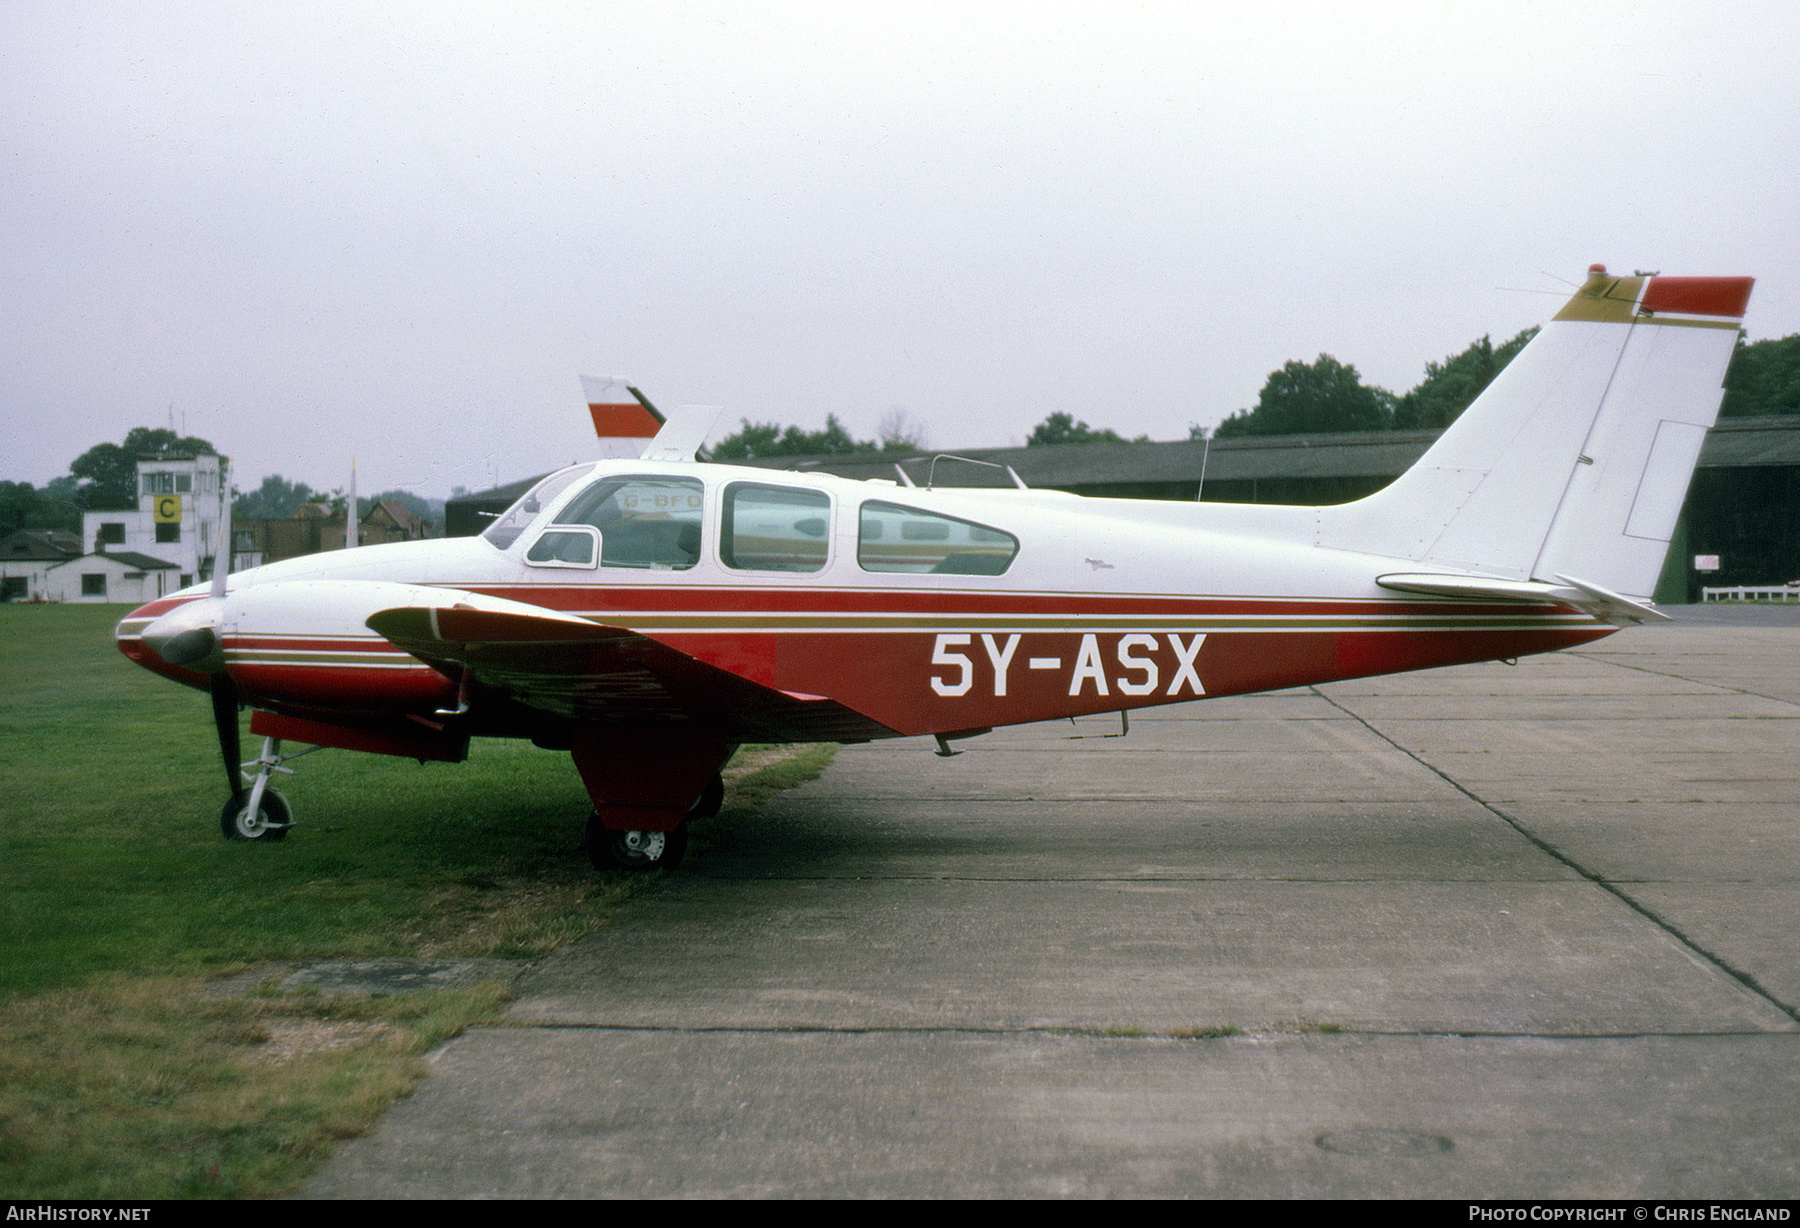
573 546
514 520
775 528
112 533
645 522
168 532
93 585
904 539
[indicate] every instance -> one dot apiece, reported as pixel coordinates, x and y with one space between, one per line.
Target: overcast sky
401 231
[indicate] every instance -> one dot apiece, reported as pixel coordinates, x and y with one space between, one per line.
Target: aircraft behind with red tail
649 615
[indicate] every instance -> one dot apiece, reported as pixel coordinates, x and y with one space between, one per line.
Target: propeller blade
225 717
222 552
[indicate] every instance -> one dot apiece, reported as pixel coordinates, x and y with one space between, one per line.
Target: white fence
1778 593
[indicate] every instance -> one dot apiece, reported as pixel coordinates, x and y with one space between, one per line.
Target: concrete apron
1485 932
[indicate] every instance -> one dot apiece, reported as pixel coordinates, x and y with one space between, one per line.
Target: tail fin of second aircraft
623 419
630 427
1571 467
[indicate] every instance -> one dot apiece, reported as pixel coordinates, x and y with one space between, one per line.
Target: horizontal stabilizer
1590 599
1615 608
681 437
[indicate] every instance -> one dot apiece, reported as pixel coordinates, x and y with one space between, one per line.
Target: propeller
205 645
225 717
188 636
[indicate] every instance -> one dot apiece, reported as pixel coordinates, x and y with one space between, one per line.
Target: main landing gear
259 812
646 783
635 850
649 850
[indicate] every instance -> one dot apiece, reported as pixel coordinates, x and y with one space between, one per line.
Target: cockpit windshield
504 531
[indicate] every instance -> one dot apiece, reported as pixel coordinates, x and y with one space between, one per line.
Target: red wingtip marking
623 421
1699 296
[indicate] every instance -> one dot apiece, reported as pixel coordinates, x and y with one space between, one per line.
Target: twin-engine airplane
650 615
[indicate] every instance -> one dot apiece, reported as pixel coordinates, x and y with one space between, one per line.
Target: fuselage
924 611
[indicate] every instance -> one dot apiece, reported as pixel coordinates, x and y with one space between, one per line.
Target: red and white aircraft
650 615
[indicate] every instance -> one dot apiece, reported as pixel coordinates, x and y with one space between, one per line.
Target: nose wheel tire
635 850
270 822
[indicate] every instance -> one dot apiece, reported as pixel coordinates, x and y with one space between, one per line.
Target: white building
117 576
167 542
27 557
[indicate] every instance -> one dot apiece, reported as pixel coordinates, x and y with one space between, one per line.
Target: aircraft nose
188 636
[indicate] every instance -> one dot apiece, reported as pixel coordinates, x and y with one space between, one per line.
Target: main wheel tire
711 798
269 824
635 850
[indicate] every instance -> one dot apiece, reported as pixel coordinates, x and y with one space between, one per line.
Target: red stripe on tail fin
631 421
1699 296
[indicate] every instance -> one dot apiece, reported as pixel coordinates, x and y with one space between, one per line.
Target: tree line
1321 397
104 478
1328 397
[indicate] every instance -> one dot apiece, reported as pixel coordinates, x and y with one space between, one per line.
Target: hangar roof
1733 443
1737 443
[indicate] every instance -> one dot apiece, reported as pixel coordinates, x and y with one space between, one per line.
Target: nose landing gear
259 812
268 822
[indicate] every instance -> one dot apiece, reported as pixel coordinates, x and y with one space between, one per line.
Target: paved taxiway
1483 932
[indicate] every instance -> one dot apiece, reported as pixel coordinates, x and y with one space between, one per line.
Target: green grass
142 1087
120 1075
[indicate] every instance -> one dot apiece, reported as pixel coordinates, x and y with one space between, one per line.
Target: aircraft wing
597 674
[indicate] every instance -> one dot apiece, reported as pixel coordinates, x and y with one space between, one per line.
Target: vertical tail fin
1573 464
629 426
623 419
